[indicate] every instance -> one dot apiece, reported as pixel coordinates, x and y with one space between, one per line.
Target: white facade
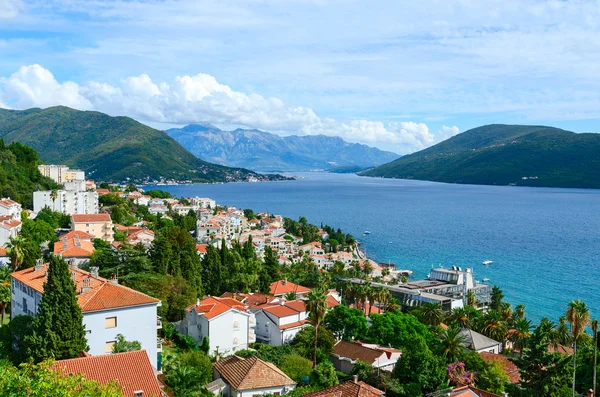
61 173
10 208
8 229
67 202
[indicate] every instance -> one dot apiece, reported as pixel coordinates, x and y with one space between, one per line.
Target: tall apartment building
61 173
67 201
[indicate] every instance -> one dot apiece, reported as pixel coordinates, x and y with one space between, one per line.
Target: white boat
366 232
487 262
485 279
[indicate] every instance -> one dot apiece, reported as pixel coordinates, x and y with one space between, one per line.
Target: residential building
67 201
346 354
8 228
108 308
351 388
132 371
4 259
98 225
278 323
10 209
202 202
283 287
467 391
156 209
75 246
61 173
508 366
479 343
251 377
143 236
227 323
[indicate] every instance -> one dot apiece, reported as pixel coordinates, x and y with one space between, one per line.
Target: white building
67 201
9 228
227 323
61 173
345 355
108 308
279 323
479 343
10 208
202 202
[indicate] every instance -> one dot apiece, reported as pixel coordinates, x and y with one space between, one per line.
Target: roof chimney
86 285
39 265
94 271
73 264
113 279
198 302
355 378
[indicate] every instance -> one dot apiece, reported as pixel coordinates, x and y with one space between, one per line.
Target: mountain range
264 151
111 148
501 154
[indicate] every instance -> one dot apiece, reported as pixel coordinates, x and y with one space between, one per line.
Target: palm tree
460 317
360 294
53 196
371 294
16 252
290 296
506 311
471 299
520 310
430 313
594 326
521 333
493 326
578 315
316 306
453 343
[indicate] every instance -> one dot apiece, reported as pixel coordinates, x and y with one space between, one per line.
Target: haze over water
545 243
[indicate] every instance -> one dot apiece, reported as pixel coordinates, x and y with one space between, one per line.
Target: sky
398 75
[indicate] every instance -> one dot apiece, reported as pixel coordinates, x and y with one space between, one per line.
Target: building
61 173
251 377
227 323
98 225
75 246
9 228
479 343
514 376
67 201
467 391
346 354
10 209
132 371
283 287
143 236
108 308
4 259
278 323
351 388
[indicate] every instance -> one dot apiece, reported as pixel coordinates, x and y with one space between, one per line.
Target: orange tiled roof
102 294
212 306
293 325
8 203
298 305
281 311
348 389
251 373
470 391
253 300
283 287
90 218
331 301
10 224
132 371
2 251
509 367
356 351
201 248
74 244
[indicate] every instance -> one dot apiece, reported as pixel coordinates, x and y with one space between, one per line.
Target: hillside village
187 297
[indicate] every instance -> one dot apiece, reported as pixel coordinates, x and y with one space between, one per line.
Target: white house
251 377
346 354
10 208
480 343
156 209
108 308
227 323
8 228
279 323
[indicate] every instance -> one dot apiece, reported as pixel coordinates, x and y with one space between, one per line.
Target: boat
487 262
366 232
485 279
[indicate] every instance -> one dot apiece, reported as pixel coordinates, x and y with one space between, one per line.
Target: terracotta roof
90 218
560 349
470 391
201 248
509 367
281 311
10 224
8 203
77 233
102 192
74 244
3 251
283 287
251 373
298 305
293 325
348 389
101 295
253 300
212 306
356 352
331 301
132 371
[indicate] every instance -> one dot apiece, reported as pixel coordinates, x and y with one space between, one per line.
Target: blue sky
399 75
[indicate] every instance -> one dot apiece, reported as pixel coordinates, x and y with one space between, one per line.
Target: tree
452 343
4 292
58 329
13 339
346 323
493 326
521 333
471 298
121 345
594 326
520 310
493 378
430 313
324 375
419 368
304 343
578 315
212 271
16 252
296 366
316 306
496 298
396 329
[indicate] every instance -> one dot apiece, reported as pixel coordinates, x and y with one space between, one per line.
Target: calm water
545 243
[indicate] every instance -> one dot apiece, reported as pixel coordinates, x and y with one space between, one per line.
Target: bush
296 367
324 375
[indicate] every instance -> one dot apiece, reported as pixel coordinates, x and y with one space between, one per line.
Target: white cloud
201 97
10 8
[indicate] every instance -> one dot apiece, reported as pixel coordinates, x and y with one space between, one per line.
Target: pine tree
212 271
58 329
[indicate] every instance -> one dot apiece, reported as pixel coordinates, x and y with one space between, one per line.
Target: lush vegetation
19 174
109 148
501 155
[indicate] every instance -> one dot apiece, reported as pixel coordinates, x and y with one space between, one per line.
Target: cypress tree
212 271
58 329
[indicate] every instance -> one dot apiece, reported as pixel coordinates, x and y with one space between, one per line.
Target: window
108 346
25 305
110 322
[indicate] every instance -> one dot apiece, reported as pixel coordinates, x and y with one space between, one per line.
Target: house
132 371
509 367
156 209
346 354
108 308
201 250
480 343
4 259
227 323
8 228
284 287
98 225
470 391
351 388
10 208
75 246
278 323
143 236
250 377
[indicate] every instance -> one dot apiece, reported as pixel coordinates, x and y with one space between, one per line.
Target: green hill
19 175
110 148
505 154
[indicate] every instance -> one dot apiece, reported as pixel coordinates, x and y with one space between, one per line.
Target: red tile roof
254 300
251 373
293 325
74 244
3 251
90 218
470 391
331 301
509 367
212 306
283 287
281 311
356 352
10 224
201 248
8 203
348 389
102 294
132 371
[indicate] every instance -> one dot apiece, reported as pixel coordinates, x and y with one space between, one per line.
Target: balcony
158 322
159 343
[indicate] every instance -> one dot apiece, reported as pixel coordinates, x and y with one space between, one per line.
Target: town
132 292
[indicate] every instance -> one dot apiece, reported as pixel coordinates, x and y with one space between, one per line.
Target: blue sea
544 242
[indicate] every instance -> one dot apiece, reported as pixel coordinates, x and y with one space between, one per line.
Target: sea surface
544 242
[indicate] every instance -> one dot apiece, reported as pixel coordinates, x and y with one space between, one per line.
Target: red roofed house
75 246
143 236
279 323
250 377
470 391
131 370
4 259
98 225
10 208
348 389
201 250
284 287
108 308
346 354
227 323
8 228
